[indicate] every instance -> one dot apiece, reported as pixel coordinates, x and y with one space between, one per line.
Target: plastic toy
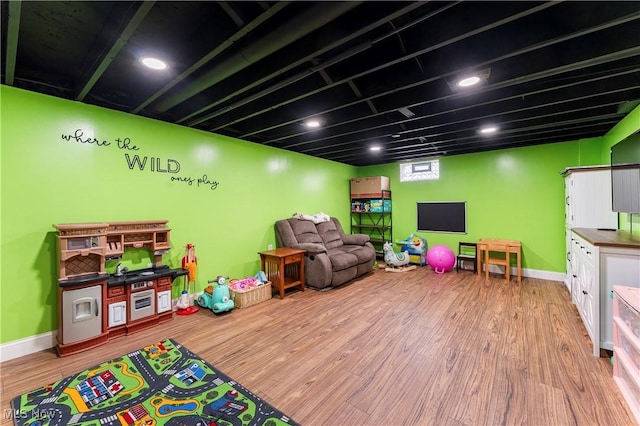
185 302
217 298
441 258
392 258
417 248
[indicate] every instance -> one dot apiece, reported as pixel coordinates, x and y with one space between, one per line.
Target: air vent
406 112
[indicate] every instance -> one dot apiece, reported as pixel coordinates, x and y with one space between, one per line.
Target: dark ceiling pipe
319 67
314 18
619 21
13 29
388 64
124 37
590 81
309 57
242 32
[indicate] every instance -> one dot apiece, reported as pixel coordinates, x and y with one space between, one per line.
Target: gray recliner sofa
333 257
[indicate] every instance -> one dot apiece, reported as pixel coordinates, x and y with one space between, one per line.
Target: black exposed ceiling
557 71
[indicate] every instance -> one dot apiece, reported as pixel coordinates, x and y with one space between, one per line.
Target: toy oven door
142 304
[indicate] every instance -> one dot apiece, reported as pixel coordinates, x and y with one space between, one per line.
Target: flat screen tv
443 216
625 175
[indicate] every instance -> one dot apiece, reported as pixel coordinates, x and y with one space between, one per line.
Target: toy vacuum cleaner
185 302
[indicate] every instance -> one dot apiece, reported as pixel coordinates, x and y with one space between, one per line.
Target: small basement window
423 170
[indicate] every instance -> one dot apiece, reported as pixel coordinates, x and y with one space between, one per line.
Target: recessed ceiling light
488 130
375 148
312 124
395 135
469 78
153 63
469 81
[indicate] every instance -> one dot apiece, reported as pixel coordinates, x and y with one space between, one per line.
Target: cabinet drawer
294 258
115 291
626 342
116 299
626 313
584 248
164 281
626 380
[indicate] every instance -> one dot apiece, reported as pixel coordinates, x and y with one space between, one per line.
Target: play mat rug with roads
161 384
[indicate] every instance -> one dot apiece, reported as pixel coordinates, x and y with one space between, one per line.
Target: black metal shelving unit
376 224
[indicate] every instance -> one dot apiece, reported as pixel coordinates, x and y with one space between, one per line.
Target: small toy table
513 247
284 268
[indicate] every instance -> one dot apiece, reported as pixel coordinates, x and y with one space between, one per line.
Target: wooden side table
284 268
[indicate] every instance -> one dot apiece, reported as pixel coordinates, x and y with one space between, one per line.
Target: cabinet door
589 200
81 314
569 272
164 301
575 270
568 201
588 293
117 314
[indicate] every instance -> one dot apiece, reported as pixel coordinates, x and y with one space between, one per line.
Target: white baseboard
531 273
543 275
28 345
32 344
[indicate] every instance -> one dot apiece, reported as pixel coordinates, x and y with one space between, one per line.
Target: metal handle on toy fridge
95 301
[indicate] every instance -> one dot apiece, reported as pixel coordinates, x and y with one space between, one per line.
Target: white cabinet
587 204
117 314
606 259
164 301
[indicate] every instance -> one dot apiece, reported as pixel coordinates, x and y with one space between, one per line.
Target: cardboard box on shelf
369 187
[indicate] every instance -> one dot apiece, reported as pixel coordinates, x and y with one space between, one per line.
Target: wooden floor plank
547 405
413 348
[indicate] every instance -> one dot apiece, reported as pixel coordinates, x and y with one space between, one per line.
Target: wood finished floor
414 348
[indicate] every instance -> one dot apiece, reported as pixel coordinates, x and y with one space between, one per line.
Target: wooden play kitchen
94 306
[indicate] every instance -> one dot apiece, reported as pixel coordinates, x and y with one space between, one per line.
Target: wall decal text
203 181
78 136
143 162
155 164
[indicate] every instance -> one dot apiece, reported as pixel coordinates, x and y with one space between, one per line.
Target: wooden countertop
618 238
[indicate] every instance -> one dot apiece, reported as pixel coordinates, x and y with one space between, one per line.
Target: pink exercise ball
441 259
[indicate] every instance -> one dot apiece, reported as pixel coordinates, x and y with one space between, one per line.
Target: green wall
514 193
47 180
